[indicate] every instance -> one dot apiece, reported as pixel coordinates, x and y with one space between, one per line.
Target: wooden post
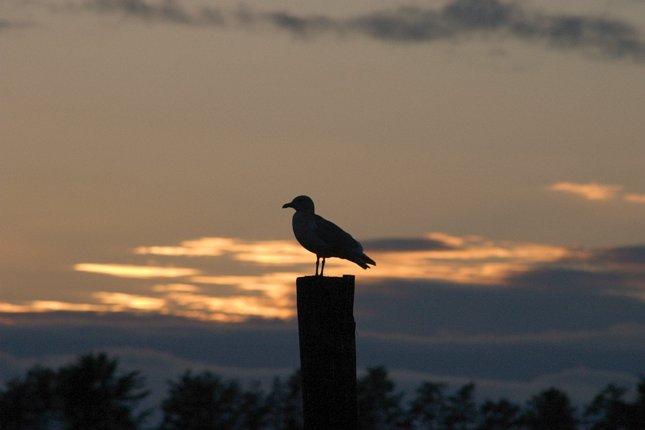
327 352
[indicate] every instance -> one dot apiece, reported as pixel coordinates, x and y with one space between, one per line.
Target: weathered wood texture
327 351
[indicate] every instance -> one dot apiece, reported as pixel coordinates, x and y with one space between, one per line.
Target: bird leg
317 262
323 267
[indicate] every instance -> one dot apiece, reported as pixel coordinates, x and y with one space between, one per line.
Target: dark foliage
460 410
284 403
30 402
379 406
201 402
499 415
427 406
92 394
550 410
207 402
609 410
88 394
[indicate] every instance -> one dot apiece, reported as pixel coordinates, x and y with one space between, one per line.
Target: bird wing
338 240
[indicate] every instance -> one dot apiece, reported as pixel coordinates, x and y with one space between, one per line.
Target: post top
313 281
321 278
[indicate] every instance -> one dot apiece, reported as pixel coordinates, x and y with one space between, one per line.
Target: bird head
301 203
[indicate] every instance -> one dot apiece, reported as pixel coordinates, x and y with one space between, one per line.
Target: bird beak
287 205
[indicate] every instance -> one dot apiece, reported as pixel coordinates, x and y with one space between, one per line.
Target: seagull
322 237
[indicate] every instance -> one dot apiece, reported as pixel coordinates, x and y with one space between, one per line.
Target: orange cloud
634 198
116 302
475 261
203 247
50 306
467 260
590 191
268 252
208 294
131 271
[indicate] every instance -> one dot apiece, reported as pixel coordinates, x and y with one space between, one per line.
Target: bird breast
305 229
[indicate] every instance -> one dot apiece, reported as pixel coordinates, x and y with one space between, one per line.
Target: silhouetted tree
608 410
285 403
91 394
253 409
639 404
29 402
94 396
379 407
499 415
426 407
550 410
87 394
201 402
460 410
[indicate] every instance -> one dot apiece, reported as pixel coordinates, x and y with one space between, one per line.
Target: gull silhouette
322 237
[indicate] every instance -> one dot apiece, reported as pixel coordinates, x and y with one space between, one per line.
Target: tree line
92 393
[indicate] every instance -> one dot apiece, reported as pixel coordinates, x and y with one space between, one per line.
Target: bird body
322 237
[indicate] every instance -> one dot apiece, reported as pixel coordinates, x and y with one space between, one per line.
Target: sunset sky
489 155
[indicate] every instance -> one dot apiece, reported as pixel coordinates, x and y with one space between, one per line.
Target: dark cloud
164 346
604 36
459 18
508 359
553 301
628 255
301 26
479 14
413 24
572 313
406 24
258 344
555 279
618 271
168 10
504 334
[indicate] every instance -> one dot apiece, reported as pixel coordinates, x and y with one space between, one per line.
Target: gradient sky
489 155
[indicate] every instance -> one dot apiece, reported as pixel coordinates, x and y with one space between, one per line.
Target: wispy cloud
476 262
589 191
609 37
438 256
634 198
188 284
128 302
598 192
267 297
50 306
133 271
412 244
232 280
166 10
281 252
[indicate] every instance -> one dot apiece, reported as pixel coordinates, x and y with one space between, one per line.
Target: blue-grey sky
488 154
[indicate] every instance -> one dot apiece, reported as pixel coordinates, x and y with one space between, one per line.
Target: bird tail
362 260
